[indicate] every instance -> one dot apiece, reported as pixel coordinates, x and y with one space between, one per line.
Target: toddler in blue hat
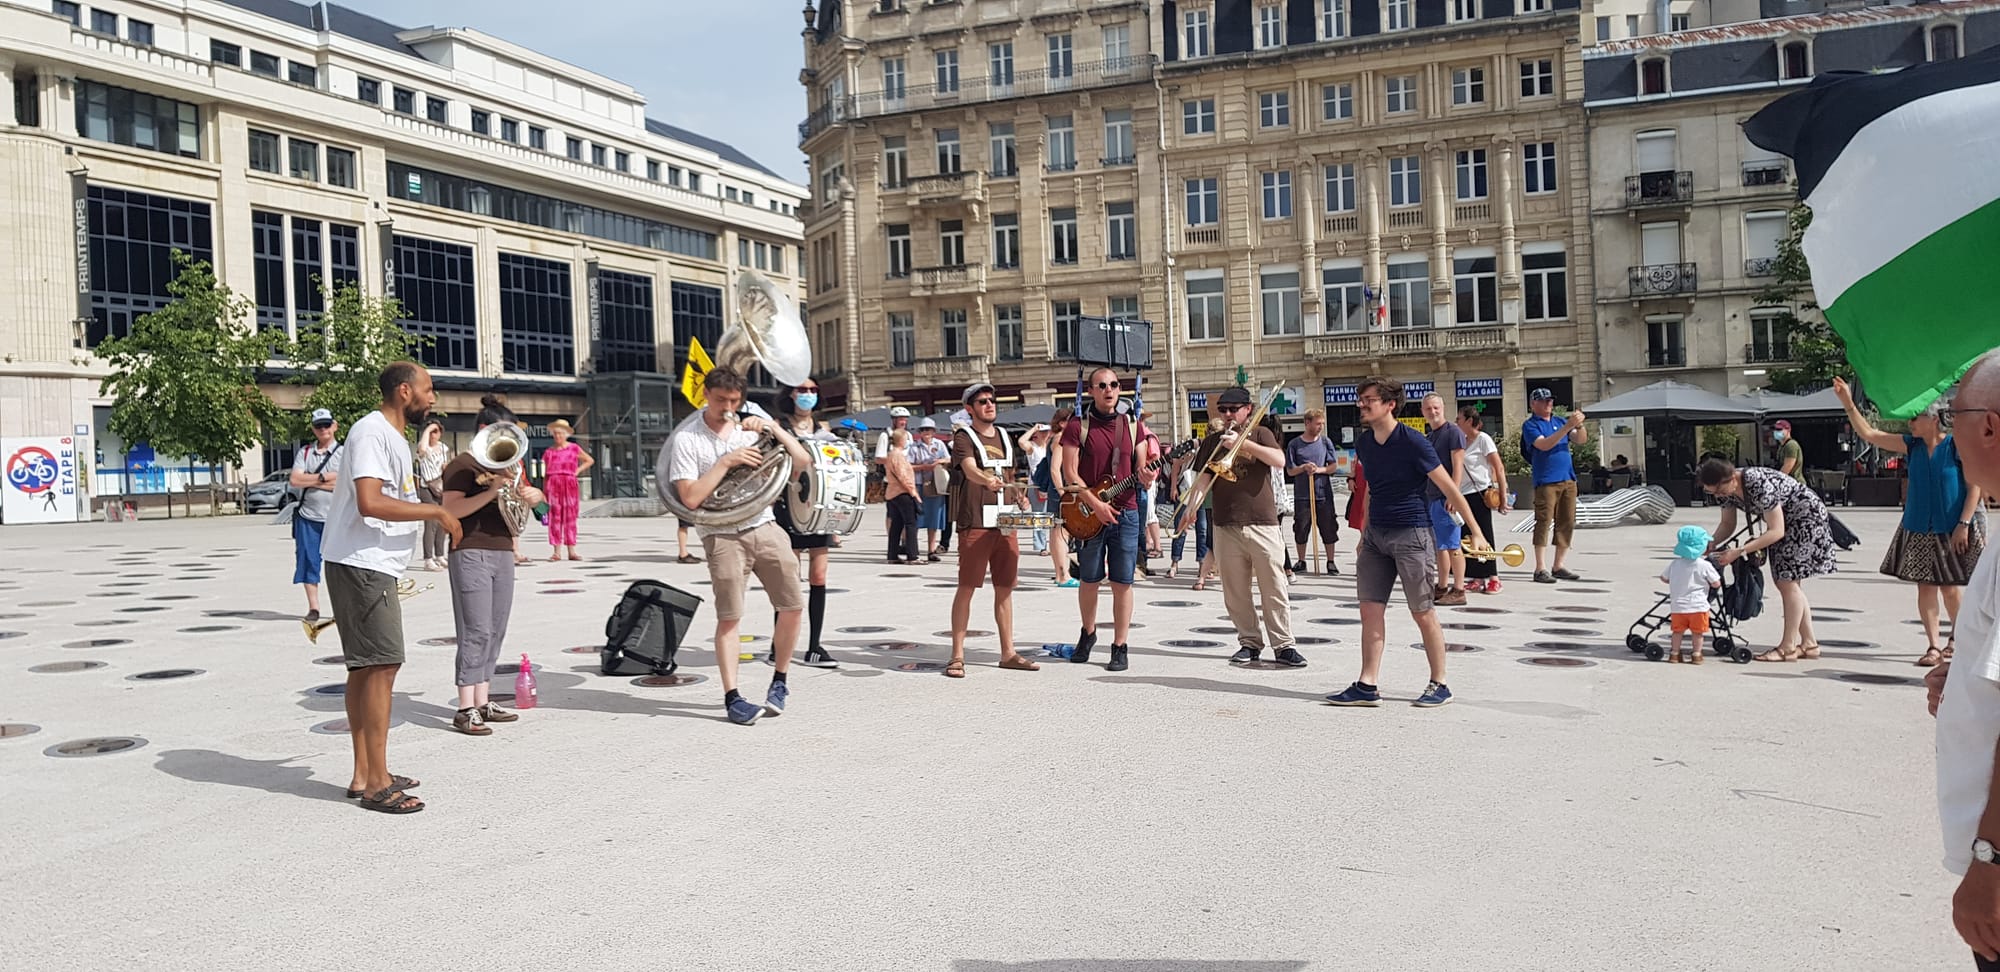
1689 580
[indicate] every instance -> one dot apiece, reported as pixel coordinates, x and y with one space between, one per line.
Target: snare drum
1023 520
828 497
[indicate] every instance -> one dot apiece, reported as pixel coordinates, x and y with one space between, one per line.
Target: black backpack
1743 597
646 628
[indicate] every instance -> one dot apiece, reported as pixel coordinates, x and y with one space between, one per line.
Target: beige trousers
1244 552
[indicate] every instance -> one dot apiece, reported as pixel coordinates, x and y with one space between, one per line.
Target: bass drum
828 498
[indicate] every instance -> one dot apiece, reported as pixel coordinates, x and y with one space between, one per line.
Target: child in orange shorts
1689 580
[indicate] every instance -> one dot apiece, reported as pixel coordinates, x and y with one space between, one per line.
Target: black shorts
800 541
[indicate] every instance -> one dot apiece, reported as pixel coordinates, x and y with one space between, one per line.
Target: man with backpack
1545 440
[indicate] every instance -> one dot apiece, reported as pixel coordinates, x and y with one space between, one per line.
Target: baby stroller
1740 599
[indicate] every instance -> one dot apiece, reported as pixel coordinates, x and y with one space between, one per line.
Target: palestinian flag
1902 172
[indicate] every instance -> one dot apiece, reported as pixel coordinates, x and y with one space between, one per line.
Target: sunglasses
982 401
1106 385
1229 409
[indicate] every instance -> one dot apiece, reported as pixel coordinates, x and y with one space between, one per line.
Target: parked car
270 494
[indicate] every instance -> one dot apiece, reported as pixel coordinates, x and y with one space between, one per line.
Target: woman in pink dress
562 463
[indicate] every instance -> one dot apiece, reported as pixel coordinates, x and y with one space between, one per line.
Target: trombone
1225 467
405 589
1512 555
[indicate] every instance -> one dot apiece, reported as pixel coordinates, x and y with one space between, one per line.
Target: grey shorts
370 615
1389 553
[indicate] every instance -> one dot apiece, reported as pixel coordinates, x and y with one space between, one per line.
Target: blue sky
727 69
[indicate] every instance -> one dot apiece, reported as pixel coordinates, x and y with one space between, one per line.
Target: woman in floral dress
1797 539
562 463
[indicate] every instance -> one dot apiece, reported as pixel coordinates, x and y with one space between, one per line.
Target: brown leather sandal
955 669
1019 663
1930 658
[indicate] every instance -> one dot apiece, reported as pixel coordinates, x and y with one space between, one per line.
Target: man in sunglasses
1247 542
982 461
1100 447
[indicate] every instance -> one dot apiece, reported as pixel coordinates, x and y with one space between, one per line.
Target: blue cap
1691 542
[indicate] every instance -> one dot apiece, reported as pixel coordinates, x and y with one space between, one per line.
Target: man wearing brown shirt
1247 542
982 459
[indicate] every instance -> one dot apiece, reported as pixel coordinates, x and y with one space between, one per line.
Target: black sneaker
1118 662
818 658
1565 574
1245 656
1290 658
1543 577
1332 569
1298 566
1084 642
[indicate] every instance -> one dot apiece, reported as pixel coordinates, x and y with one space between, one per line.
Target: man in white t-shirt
1968 711
372 526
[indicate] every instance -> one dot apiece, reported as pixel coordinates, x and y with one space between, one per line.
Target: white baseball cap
321 415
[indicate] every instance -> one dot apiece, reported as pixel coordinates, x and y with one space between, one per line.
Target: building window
1340 188
1677 22
1409 291
308 270
1278 292
597 159
1796 59
1270 26
482 122
1062 143
1277 194
1398 15
1062 224
899 249
304 159
1475 286
1538 163
104 22
902 340
1274 109
946 76
652 170
223 52
1062 59
264 64
1406 181
1118 145
1763 232
622 161
947 151
999 149
1117 45
430 188
742 252
777 258
1332 19
1122 308
1944 43
1122 231
68 11
1464 10
1402 94
1203 202
1336 101
573 148
1008 331
954 333
1770 336
537 328
1653 76
763 261
951 242
1198 116
137 119
1205 320
1006 240
267 263
340 168
510 131
1000 65
1470 172
368 90
305 74
435 282
895 168
132 239
1663 343
263 151
625 323
436 110
538 139
1194 33
1534 6
1538 78
343 255
895 79
1545 281
1343 297
1065 314
696 311
1468 86
27 98
138 32
1603 29
404 101
694 182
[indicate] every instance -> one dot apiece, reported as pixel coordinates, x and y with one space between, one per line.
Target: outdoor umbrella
1773 405
874 418
1673 399
1027 415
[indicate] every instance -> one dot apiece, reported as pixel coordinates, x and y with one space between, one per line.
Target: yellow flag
698 367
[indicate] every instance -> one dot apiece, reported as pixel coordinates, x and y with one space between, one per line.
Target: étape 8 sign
38 482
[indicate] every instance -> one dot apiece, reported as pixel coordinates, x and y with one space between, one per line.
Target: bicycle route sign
38 480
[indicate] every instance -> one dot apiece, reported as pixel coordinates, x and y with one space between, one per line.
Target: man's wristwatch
1982 850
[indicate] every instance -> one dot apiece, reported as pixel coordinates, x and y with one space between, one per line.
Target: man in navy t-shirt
1547 440
1397 542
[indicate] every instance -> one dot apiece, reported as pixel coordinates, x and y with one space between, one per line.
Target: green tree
1724 439
340 352
1818 352
184 381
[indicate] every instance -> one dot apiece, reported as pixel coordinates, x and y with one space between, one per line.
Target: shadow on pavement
1839 675
271 776
1211 685
1132 965
557 690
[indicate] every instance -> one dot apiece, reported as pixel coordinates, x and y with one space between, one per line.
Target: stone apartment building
1687 215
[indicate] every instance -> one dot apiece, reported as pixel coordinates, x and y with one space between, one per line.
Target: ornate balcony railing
1204 235
1666 357
964 278
970 367
1767 172
1761 353
1663 188
1018 84
1412 218
1450 339
1760 267
1661 280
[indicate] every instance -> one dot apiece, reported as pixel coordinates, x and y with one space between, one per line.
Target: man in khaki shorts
703 452
982 460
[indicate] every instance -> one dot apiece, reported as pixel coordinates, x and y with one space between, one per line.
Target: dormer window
1944 42
1794 61
1653 76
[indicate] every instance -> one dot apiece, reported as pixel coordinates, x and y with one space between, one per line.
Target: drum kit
829 497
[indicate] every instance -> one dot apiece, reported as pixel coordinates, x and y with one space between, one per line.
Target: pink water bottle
524 685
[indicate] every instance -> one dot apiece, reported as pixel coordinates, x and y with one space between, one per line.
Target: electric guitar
1081 522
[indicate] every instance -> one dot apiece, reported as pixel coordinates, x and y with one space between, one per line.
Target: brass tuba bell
501 448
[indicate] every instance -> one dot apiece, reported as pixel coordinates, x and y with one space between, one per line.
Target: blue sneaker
1434 695
744 712
774 700
1355 695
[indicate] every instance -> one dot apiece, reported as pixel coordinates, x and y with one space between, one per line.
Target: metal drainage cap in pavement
920 667
1267 665
1469 609
894 645
1173 604
143 609
675 680
1315 640
58 668
1585 590
1562 646
1466 626
864 629
45 604
1570 632
210 628
1213 630
330 660
1554 662
163 674
1449 646
339 727
1578 608
562 590
115 642
1192 643
1838 610
106 622
1560 620
902 576
1336 620
332 690
9 730
4 635
1829 618
99 746
1868 679
1843 643
171 597
951 586
969 633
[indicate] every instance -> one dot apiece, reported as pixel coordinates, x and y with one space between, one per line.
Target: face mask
1779 436
808 401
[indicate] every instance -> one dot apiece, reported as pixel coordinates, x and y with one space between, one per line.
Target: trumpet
405 589
1512 555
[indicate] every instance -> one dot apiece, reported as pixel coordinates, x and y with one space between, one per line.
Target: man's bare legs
369 696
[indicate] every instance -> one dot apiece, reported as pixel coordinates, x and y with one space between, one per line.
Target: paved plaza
1577 808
